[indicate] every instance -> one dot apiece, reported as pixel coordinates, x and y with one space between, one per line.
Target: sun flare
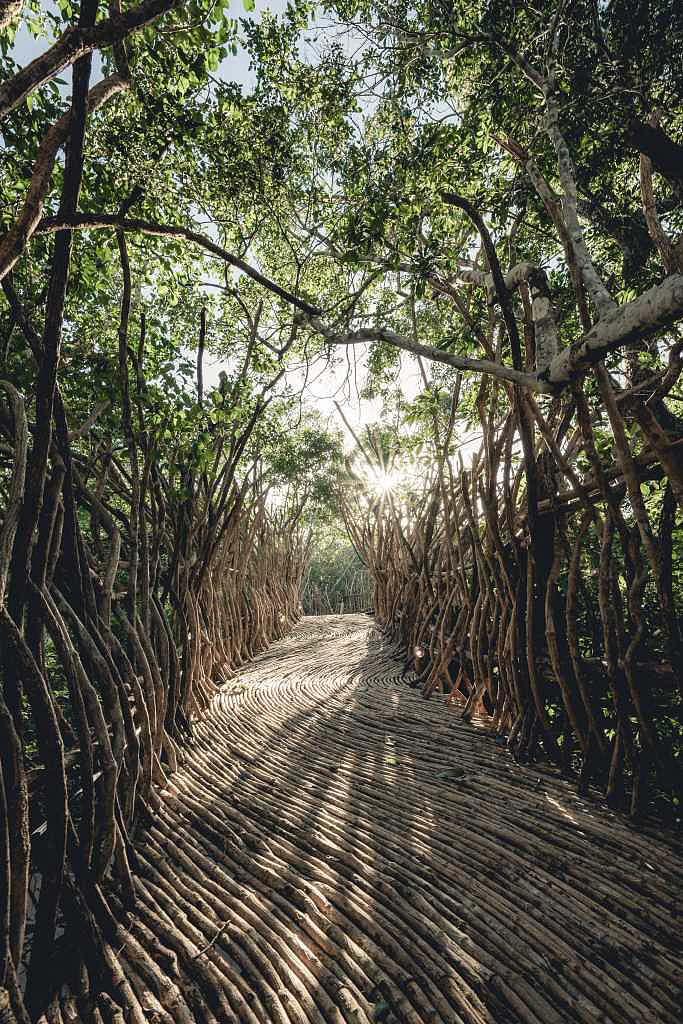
384 481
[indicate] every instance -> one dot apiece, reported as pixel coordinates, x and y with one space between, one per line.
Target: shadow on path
352 853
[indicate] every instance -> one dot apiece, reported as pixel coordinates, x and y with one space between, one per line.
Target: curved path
337 849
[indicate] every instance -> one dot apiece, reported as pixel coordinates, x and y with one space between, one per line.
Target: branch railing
564 629
126 634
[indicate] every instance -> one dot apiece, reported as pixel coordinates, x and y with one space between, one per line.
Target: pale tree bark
672 259
369 334
657 308
604 303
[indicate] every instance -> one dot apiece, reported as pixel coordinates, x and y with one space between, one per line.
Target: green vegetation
492 188
336 580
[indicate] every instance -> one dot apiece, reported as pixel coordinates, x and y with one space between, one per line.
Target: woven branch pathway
337 849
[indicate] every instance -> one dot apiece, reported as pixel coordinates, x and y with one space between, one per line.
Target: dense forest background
490 191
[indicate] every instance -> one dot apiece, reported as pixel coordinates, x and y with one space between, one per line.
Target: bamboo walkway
337 849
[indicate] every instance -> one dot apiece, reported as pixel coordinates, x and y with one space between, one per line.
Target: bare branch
604 303
667 252
88 424
658 307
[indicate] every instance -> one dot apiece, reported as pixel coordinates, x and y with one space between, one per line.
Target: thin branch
98 221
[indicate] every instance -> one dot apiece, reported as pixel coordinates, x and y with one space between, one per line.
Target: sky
322 388
234 68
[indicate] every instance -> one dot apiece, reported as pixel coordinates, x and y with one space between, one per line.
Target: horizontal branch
657 308
90 422
176 231
648 467
368 334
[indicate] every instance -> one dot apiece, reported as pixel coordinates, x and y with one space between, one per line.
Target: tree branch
75 43
665 154
368 334
604 303
97 221
658 307
16 239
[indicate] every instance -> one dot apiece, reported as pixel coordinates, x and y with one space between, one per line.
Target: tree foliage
490 187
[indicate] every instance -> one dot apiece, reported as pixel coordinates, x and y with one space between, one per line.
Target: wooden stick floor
337 849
